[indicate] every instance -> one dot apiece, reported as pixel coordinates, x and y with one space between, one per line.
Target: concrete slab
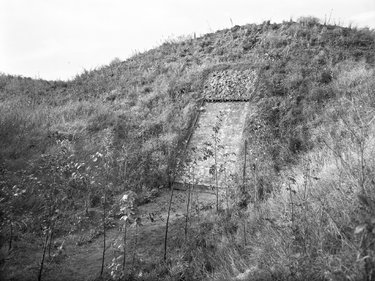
200 170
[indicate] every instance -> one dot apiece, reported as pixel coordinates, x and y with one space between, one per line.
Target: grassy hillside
306 208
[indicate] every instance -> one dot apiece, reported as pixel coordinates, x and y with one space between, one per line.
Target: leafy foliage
306 202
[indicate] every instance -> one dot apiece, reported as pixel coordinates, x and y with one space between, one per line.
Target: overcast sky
57 39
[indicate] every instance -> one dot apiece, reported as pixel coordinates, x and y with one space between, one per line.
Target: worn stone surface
230 85
230 138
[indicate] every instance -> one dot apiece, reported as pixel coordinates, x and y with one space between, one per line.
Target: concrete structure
227 94
229 135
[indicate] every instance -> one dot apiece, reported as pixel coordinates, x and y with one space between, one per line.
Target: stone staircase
197 169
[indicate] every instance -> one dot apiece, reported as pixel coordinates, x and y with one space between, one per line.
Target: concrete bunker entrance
229 119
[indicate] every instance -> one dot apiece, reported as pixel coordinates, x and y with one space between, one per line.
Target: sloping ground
84 262
199 168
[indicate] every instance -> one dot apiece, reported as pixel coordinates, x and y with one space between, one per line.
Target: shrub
308 21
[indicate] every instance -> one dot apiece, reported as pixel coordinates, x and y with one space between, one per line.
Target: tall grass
305 211
316 222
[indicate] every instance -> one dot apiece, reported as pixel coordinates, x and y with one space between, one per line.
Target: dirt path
84 262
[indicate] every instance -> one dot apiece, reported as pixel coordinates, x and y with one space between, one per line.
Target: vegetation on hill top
305 209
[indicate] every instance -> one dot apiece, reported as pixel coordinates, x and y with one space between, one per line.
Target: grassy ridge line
294 58
143 106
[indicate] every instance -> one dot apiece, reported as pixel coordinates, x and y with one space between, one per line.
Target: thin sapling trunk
135 242
244 166
124 241
167 223
50 242
291 204
10 236
244 231
216 180
197 197
43 257
187 211
226 190
104 235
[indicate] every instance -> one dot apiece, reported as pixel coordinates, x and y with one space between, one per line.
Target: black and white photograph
187 140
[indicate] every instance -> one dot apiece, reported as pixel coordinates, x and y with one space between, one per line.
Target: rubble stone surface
230 84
